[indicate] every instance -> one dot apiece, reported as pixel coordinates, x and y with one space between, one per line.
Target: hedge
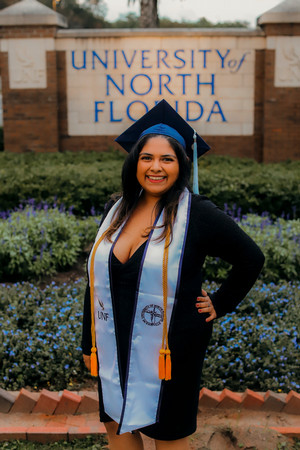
85 181
35 243
60 180
256 347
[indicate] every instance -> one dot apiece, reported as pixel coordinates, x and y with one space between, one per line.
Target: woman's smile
154 179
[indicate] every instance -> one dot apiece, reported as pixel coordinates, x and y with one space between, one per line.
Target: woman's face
158 167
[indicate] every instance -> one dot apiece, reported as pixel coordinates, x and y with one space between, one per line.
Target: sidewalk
51 416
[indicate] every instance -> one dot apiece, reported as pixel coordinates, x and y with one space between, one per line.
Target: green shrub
280 243
86 180
80 181
87 228
256 347
37 243
251 186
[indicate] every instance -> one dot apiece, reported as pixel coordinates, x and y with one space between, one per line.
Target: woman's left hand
204 305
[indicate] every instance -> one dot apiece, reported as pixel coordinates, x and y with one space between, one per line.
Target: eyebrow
150 154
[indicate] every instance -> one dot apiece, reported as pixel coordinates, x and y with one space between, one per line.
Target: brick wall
27 31
30 115
281 117
282 29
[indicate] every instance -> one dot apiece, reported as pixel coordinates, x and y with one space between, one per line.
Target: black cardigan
210 232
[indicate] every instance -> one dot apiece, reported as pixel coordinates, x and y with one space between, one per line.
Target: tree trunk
149 16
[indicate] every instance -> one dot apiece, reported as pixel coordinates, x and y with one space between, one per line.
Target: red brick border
85 402
69 415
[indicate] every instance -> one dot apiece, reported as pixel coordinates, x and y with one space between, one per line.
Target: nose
156 166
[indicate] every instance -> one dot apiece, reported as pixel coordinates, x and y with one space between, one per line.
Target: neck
148 201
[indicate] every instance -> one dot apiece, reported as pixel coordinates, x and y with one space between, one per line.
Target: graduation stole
158 280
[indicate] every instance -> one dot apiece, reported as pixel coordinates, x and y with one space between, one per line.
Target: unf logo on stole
102 315
152 315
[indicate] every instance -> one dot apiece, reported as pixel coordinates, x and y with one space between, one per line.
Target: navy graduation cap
164 120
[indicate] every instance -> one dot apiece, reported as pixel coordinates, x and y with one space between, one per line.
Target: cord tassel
94 363
168 365
162 364
93 357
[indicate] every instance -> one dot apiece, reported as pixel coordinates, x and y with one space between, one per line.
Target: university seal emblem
152 315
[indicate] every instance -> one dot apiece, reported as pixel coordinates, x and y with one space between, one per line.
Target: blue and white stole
137 406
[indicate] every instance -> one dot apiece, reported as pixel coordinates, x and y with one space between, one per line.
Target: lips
155 179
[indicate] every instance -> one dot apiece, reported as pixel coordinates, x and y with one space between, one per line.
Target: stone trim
126 32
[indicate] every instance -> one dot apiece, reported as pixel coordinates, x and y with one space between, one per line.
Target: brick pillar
281 25
29 76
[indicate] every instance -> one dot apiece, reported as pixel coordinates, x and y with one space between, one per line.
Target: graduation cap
162 119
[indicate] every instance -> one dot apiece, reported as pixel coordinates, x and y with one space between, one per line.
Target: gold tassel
161 364
93 357
168 364
94 363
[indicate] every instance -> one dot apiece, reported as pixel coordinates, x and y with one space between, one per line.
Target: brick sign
112 82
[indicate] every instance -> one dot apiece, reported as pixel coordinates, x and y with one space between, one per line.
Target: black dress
210 232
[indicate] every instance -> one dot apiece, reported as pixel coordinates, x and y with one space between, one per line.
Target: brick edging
84 402
45 434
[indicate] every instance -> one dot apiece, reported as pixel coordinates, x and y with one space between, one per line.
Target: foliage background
50 207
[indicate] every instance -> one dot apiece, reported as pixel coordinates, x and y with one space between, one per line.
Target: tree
87 14
149 15
129 20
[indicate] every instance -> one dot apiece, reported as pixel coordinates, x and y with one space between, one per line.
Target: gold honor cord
164 362
94 364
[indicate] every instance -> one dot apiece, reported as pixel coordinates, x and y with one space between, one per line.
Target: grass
91 442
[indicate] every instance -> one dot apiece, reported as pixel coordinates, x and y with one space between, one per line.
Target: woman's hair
132 188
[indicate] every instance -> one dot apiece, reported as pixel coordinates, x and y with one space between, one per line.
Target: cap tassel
195 165
94 363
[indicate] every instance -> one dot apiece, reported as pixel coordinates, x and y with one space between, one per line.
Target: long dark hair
132 188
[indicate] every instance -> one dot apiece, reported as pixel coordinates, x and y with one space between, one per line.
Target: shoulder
209 215
201 204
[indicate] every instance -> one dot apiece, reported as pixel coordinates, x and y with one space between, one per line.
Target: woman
151 320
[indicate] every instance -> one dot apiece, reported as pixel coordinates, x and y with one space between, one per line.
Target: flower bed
40 241
256 347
